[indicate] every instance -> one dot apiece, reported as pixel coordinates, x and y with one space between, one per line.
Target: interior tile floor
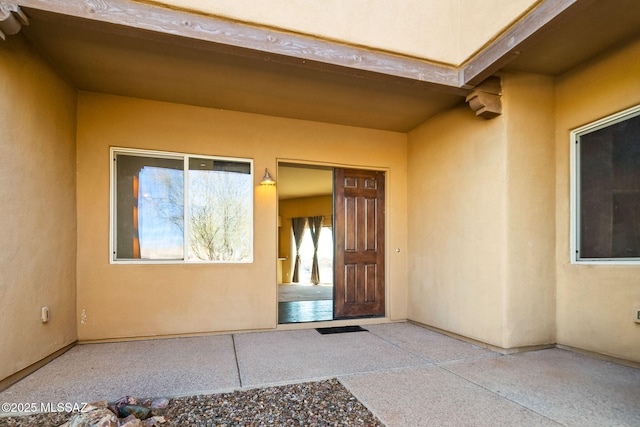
405 374
305 311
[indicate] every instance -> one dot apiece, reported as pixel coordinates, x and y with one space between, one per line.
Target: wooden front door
359 239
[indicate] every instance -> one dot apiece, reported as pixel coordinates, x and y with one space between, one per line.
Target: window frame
185 159
575 190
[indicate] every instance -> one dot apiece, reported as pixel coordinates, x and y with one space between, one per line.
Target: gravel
322 403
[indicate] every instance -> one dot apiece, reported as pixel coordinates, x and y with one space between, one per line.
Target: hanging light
266 179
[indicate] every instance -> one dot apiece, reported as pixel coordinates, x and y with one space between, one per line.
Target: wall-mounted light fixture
12 18
266 179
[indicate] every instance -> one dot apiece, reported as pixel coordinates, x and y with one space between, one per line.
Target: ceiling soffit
293 49
348 85
254 42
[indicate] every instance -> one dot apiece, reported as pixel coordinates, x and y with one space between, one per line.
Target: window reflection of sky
160 238
161 211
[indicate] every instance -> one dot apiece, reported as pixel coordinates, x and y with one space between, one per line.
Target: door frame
312 164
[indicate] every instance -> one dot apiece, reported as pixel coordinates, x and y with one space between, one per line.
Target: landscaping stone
99 417
322 403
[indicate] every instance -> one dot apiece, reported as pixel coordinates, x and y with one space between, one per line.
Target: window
606 189
325 255
179 207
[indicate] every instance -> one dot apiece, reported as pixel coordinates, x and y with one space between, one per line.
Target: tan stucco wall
37 207
442 31
481 219
530 286
292 208
595 302
117 301
457 171
483 21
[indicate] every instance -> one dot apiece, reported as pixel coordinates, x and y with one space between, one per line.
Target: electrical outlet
636 315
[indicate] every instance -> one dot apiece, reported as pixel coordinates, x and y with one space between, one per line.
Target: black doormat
340 330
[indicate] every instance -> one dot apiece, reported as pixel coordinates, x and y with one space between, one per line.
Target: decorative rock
137 411
102 404
100 417
160 403
127 400
322 403
154 421
131 421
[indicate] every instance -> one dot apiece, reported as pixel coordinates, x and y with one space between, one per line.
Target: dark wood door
359 237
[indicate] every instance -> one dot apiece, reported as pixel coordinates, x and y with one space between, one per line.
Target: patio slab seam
493 354
500 395
469 359
398 346
235 355
343 379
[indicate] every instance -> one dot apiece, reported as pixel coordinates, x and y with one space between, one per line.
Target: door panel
359 237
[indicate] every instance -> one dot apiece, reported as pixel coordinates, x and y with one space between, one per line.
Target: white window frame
575 187
169 155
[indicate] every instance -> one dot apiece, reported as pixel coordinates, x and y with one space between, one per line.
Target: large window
607 189
179 207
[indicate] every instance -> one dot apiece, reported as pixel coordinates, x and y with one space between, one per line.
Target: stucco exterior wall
481 219
483 21
595 302
530 293
37 207
122 301
440 31
457 217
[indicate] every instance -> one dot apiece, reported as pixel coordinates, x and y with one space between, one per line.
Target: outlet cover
636 315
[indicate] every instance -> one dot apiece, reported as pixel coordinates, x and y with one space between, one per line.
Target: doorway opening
331 248
305 245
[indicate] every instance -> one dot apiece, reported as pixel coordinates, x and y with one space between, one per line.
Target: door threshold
333 323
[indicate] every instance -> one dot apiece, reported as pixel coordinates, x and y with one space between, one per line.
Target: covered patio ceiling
143 51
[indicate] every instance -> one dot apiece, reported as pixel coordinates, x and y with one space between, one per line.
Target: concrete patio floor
405 374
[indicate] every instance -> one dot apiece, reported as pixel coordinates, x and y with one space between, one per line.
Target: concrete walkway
406 375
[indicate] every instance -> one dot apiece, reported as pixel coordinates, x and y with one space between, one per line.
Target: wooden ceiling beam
259 42
525 33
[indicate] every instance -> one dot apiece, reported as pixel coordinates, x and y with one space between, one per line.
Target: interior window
325 256
181 207
608 184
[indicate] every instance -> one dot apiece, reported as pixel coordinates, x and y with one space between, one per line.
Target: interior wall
293 208
481 219
409 27
37 206
122 301
596 303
